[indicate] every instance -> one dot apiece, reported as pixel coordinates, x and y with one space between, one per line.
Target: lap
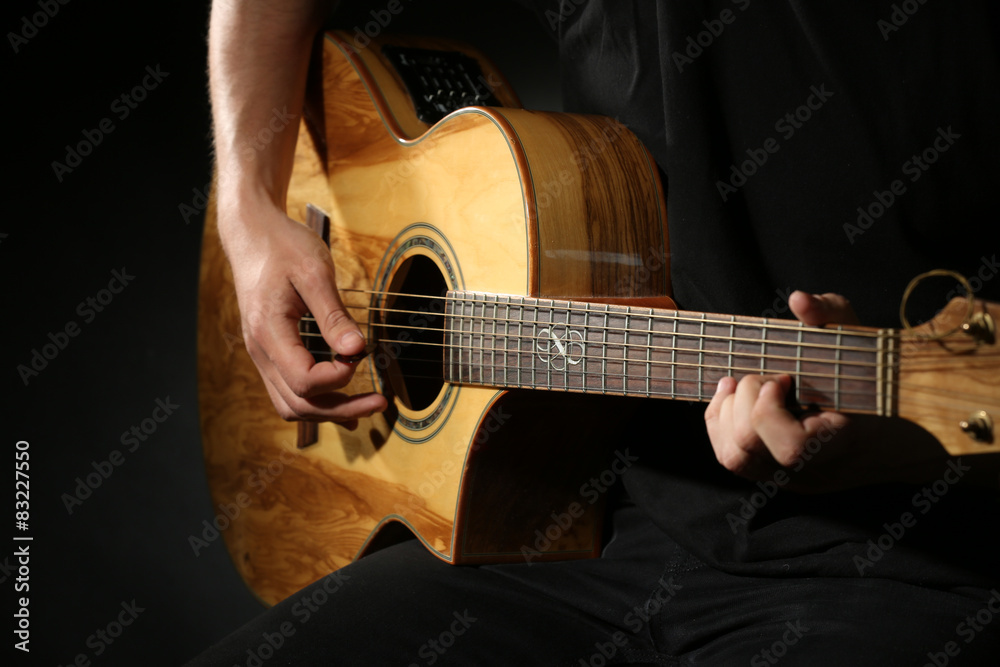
645 601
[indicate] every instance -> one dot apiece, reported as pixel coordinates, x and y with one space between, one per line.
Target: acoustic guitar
488 251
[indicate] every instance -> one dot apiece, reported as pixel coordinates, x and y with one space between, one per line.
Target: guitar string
726 368
665 348
716 353
537 302
655 348
945 398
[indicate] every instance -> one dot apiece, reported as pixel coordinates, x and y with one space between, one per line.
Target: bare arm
258 59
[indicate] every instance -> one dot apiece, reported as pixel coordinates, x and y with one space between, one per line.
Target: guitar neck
508 341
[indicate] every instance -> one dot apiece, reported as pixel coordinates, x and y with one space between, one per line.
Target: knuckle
285 412
335 319
731 458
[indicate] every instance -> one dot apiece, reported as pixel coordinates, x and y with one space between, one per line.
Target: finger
315 284
819 309
723 390
781 433
744 434
330 407
296 372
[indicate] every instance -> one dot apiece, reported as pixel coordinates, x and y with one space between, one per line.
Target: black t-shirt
831 146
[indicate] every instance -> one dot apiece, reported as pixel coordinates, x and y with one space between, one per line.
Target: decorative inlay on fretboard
509 341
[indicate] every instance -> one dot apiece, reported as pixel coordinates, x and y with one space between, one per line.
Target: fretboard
520 342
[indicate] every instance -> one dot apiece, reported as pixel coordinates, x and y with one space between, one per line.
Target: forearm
258 58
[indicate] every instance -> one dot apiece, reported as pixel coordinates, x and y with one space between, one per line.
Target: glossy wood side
602 224
944 382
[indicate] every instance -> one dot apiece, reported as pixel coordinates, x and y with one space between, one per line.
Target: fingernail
347 337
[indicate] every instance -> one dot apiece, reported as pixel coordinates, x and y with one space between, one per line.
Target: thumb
819 309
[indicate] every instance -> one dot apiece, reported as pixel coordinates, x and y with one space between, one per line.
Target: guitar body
498 200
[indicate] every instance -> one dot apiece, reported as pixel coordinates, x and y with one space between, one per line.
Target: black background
121 209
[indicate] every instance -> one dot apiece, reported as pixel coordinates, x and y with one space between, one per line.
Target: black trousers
646 601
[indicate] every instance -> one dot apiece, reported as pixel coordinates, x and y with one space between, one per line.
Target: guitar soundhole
412 336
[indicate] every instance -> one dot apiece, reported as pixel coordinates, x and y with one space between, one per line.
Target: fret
482 338
506 339
493 348
649 351
798 367
586 339
449 307
520 339
548 366
732 335
763 348
890 374
701 358
628 315
569 319
604 352
673 360
532 342
836 370
880 365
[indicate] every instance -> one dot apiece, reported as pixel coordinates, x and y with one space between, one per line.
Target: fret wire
673 362
566 365
701 359
836 372
859 364
732 332
789 327
519 340
649 352
534 331
506 333
628 314
586 324
763 346
604 353
798 367
482 337
451 351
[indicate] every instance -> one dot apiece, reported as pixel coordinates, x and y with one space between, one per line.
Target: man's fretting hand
754 435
